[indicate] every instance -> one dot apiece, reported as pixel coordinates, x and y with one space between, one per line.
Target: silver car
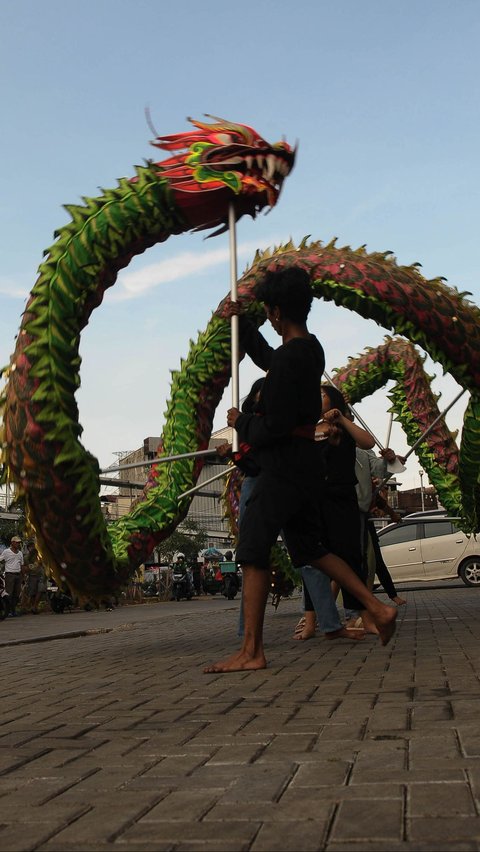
430 548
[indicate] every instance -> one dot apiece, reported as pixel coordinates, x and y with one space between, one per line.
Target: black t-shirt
290 397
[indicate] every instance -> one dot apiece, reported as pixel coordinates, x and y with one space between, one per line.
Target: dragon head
219 163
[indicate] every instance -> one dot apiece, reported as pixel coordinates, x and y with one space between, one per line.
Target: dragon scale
414 405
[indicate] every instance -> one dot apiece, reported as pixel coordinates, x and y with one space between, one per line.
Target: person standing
338 439
36 582
248 467
369 469
197 573
12 557
282 436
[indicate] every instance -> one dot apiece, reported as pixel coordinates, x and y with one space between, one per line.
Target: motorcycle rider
180 567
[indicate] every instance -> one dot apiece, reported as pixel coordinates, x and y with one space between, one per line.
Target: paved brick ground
111 738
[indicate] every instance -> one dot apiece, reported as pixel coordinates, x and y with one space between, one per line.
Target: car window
398 535
440 528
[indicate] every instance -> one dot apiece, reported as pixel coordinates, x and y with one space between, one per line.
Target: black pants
13 588
341 523
381 569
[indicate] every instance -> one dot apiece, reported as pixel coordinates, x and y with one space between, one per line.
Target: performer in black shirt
281 433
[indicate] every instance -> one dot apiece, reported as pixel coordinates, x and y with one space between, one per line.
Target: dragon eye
224 138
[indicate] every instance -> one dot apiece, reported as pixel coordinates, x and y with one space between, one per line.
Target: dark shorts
275 505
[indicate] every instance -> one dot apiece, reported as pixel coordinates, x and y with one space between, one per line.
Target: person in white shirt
368 468
12 557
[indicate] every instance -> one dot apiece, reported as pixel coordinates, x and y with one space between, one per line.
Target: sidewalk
111 738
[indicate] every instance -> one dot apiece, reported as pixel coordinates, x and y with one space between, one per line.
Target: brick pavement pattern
112 738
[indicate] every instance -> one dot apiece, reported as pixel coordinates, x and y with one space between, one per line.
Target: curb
73 634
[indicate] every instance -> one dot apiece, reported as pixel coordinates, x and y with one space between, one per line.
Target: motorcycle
58 599
212 582
226 581
232 580
182 584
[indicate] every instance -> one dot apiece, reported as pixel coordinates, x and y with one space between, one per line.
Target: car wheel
470 571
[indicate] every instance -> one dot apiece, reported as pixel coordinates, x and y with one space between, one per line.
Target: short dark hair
289 290
336 398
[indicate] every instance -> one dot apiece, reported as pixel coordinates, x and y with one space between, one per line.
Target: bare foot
239 662
398 600
384 619
306 633
355 634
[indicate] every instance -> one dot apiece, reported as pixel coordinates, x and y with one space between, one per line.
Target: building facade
206 509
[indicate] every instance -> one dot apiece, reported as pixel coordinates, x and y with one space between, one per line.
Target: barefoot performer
281 434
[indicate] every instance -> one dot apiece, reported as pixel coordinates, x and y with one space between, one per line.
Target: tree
16 524
189 540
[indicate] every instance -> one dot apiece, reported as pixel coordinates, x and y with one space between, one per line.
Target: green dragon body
210 168
414 405
439 318
41 447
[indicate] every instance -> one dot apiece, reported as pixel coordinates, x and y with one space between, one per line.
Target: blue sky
382 96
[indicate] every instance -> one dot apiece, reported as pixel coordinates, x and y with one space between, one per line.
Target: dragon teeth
271 166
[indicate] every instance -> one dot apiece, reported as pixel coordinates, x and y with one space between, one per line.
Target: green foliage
11 527
190 539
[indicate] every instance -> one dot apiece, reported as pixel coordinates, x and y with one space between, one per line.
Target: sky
382 96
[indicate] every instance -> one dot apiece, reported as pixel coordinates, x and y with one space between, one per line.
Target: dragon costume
439 318
211 166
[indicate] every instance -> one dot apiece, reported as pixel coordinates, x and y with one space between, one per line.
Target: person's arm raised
251 340
362 438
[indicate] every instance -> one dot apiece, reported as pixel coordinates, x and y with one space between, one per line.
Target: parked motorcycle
182 584
58 599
